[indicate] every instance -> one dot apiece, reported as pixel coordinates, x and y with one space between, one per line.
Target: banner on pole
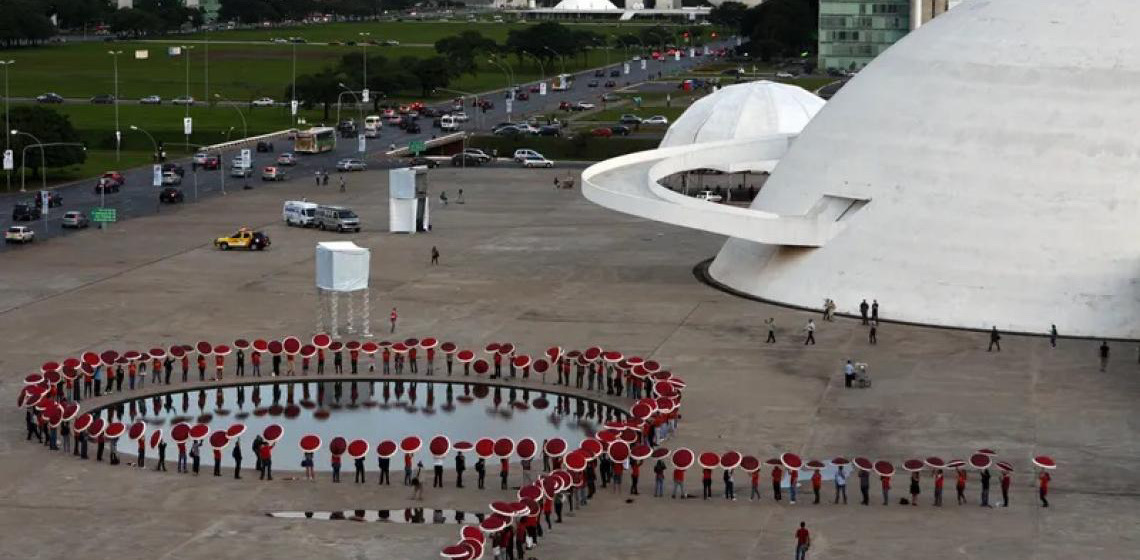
187 125
360 143
293 107
364 96
246 158
9 160
643 64
156 176
542 88
625 68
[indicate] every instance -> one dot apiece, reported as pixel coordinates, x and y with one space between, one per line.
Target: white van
448 123
299 213
372 126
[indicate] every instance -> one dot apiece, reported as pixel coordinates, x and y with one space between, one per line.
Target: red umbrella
551 486
199 431
505 509
540 366
912 465
272 433
884 468
308 351
439 445
1005 466
664 389
275 347
640 452
338 445
370 347
204 348
411 342
115 430
455 551
555 447
709 460
97 426
660 452
665 405
49 366
639 372
491 348
506 348
428 343
619 451
652 366
463 446
864 463
494 523
465 356
730 460
980 461
310 443
641 410
358 448
575 461
108 357
70 410
750 464
628 435
955 464
291 345
83 422
814 465
935 462
530 492
481 366
130 355
987 451
352 345
261 345
386 448
177 351
840 461
791 461
136 431
475 546
522 361
504 447
52 377
553 353
91 358
322 340
471 532
235 430
411 444
240 344
448 348
682 458
155 438
592 445
592 353
180 432
1044 462
607 436
527 448
221 350
219 439
485 447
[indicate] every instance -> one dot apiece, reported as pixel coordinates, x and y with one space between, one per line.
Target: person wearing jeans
803 542
678 482
840 485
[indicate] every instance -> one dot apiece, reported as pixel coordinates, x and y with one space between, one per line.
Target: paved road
138 197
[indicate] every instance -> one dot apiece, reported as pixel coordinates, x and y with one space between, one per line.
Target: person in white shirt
437 480
810 330
841 482
848 374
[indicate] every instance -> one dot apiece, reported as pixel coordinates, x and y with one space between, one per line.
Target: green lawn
419 32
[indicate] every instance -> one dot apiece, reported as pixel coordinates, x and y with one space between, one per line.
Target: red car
522 96
212 162
534 89
115 176
565 106
602 132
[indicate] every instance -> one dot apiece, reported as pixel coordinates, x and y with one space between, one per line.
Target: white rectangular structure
408 208
342 266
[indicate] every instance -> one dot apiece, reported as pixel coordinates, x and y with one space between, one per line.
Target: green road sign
104 215
416 147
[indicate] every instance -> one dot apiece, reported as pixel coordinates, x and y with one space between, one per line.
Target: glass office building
853 32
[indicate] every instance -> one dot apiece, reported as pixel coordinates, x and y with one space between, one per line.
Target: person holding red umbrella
777 477
266 453
236 453
938 480
816 483
986 488
217 461
706 483
915 489
755 482
353 358
201 367
181 457
498 359
413 366
185 366
504 471
386 354
239 356
220 366
407 469
338 361
1043 487
886 483
679 482
141 455
1005 482
960 485
320 361
430 360
132 372
255 362
335 461
481 472
793 480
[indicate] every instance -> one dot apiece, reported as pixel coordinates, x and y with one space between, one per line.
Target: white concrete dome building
744 111
586 6
990 161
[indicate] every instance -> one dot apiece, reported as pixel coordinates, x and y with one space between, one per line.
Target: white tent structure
586 6
342 268
744 112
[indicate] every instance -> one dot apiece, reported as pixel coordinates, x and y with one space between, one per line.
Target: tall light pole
186 53
153 143
207 67
24 159
293 91
7 119
364 43
360 138
244 127
510 71
118 133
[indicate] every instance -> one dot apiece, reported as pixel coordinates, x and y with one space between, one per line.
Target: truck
245 238
372 125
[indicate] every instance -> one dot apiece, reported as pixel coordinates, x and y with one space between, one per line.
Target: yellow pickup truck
245 238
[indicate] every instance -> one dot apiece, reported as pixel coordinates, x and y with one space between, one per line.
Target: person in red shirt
520 540
132 372
336 467
803 542
201 367
706 483
217 462
618 468
886 481
407 469
266 453
679 482
386 354
793 482
220 366
938 479
430 360
320 361
777 477
498 359
1043 487
634 474
504 471
392 317
305 364
816 483
353 356
1005 481
960 485
412 367
255 361
185 367
755 486
547 507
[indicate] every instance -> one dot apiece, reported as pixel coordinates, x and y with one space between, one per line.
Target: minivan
448 123
299 213
337 218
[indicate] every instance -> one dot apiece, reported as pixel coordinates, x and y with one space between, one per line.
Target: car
535 89
173 168
212 162
602 132
171 195
54 199
656 120
550 130
263 146
103 99
419 161
245 238
200 158
610 83
611 97
709 196
431 112
19 234
460 116
599 73
537 161
182 100
151 100
629 119
522 96
25 212
565 106
620 130
785 75
115 176
466 159
49 98
287 158
240 171
509 130
477 153
592 83
74 219
351 164
171 178
298 40
273 174
615 73
105 185
391 43
584 106
523 153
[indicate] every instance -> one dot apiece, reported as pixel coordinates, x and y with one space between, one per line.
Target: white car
170 178
19 234
785 75
182 100
241 171
537 161
459 116
524 153
262 102
585 106
201 157
656 119
151 100
287 158
709 196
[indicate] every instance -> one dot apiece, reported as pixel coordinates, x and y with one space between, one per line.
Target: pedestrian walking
1053 336
504 472
865 486
960 486
995 340
392 317
810 330
803 542
840 485
986 488
863 308
1043 487
480 472
341 177
875 311
914 488
459 199
1104 355
873 334
434 255
771 324
777 478
236 453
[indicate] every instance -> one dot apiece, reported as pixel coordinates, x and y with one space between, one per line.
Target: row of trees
49 127
385 77
257 11
775 28
23 23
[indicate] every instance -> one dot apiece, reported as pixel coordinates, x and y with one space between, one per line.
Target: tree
657 36
135 22
460 51
248 11
24 23
48 126
75 14
728 14
782 28
318 88
432 73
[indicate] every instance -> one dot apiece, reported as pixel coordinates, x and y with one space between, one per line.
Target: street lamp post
186 53
360 110
7 119
118 133
561 59
153 143
244 127
364 44
24 159
541 66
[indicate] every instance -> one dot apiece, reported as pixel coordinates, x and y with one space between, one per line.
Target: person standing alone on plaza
873 334
810 330
840 485
1103 355
863 308
1053 336
995 339
771 323
848 374
803 541
434 255
1043 487
392 317
874 311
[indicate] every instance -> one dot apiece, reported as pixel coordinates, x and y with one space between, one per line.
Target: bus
372 126
562 82
315 140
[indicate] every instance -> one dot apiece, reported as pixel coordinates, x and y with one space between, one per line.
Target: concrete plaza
525 263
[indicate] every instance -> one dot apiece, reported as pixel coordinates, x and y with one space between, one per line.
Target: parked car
182 100
423 161
785 75
620 130
19 234
273 174
74 219
709 196
615 73
337 218
656 120
49 98
584 106
460 116
25 212
610 83
482 156
602 132
565 106
54 199
610 96
287 158
629 119
524 153
262 102
537 161
522 96
509 130
170 195
351 164
103 99
535 89
151 100
599 73
171 178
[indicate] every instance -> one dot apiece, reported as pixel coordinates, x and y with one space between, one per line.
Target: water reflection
407 515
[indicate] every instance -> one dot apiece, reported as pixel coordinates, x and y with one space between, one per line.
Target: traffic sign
364 96
643 64
625 68
156 176
293 107
9 160
360 143
542 88
104 215
45 197
509 100
416 147
246 158
187 125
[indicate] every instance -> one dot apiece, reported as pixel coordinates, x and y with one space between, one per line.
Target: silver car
74 219
350 164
